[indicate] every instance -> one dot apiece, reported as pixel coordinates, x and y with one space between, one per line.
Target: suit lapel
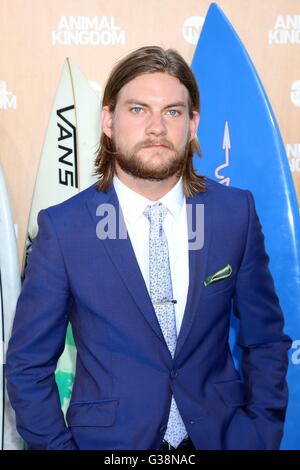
197 266
122 256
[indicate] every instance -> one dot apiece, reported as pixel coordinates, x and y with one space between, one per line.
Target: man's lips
156 145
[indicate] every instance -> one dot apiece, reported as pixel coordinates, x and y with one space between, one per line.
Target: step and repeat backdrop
38 35
36 38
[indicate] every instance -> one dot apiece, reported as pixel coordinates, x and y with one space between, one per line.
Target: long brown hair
149 59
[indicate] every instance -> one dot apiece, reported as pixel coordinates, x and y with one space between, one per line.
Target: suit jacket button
174 373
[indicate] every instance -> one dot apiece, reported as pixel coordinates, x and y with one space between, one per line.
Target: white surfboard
72 138
66 167
9 291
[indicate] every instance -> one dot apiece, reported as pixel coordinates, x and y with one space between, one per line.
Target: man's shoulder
216 191
221 189
228 202
74 203
73 212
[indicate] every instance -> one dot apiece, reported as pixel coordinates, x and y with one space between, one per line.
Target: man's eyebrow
134 101
177 104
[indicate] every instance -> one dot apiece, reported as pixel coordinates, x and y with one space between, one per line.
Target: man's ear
106 119
194 124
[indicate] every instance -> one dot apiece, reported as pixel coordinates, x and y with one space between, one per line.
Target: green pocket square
223 273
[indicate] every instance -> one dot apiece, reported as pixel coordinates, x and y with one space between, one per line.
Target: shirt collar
134 204
174 199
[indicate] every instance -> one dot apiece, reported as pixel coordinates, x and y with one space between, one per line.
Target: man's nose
156 125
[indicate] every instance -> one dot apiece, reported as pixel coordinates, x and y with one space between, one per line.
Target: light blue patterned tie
161 294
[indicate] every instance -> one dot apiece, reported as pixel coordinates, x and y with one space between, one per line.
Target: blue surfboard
241 146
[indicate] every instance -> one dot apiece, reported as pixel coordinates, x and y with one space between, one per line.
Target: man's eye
136 109
173 112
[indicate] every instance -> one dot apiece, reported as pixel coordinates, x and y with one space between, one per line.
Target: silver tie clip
164 302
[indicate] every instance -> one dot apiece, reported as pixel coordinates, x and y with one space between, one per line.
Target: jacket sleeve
37 342
261 337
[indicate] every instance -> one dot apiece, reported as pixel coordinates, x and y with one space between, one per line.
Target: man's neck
152 190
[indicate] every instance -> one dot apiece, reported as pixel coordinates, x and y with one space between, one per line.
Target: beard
171 161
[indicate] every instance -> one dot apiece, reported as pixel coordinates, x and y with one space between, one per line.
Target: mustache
149 142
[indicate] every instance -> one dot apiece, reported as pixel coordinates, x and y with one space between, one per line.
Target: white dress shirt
175 227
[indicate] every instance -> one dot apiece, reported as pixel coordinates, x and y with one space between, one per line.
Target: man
150 311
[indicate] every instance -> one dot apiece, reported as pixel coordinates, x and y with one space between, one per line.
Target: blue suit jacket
125 375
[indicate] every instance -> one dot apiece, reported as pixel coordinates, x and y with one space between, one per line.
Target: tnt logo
7 98
192 28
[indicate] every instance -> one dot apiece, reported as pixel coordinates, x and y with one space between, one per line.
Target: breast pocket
223 286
